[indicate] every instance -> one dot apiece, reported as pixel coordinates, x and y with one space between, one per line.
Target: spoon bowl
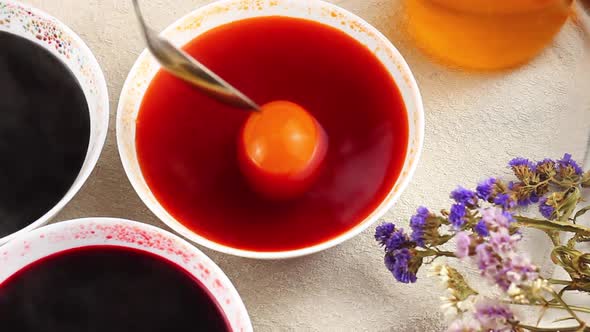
225 12
55 37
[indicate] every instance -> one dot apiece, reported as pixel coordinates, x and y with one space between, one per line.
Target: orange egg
281 149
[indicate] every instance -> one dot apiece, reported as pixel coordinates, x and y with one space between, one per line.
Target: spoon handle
183 66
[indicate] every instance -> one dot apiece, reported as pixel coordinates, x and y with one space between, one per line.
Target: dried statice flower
523 168
489 236
568 167
418 223
494 316
528 294
383 233
401 264
463 243
500 263
546 168
481 228
425 229
546 210
460 295
495 218
506 201
457 215
485 190
391 238
399 256
465 324
464 196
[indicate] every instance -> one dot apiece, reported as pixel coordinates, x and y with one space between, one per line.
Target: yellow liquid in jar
485 34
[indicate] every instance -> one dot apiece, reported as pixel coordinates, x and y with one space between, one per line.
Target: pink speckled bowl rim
199 21
89 232
82 62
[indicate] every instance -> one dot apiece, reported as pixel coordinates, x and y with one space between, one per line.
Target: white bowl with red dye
223 12
91 232
54 36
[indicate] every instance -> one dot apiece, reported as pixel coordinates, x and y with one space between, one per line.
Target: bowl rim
30 238
397 188
91 158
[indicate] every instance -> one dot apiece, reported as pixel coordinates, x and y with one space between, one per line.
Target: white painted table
475 124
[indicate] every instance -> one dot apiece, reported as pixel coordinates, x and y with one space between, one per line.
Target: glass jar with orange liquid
485 34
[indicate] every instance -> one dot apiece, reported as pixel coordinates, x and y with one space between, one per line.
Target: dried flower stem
560 282
552 225
556 329
550 305
440 253
565 306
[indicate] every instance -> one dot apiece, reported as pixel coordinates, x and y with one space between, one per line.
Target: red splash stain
141 237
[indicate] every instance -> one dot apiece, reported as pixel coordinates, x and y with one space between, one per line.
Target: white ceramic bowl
227 11
56 37
45 241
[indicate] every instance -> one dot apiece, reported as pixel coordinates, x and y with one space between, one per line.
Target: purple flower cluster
398 253
488 240
568 164
505 201
526 200
464 199
531 175
397 240
546 210
522 162
457 215
486 235
383 233
464 196
481 228
532 199
485 189
545 164
418 223
391 238
398 262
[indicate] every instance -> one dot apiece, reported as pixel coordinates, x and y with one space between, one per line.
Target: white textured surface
475 123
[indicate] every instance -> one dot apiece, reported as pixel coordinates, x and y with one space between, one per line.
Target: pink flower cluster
496 255
488 316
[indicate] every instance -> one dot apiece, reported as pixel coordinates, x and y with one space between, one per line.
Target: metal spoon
185 67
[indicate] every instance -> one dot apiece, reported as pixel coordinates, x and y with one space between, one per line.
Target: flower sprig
485 225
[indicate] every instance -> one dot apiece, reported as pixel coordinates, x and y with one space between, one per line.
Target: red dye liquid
186 142
115 289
